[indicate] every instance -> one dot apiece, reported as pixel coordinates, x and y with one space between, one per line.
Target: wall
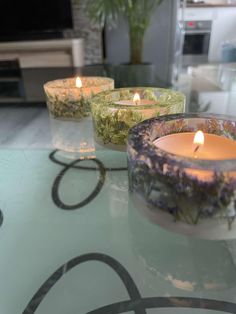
83 28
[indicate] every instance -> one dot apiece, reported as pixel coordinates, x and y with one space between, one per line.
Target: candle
70 98
115 112
215 147
68 102
146 107
136 101
185 180
198 145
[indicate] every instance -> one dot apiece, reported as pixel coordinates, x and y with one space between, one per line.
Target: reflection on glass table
210 88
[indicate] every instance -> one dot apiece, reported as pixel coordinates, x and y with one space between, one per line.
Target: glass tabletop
72 241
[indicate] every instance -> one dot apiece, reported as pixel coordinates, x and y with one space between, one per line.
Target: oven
196 42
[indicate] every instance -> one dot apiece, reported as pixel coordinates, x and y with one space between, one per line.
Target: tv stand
32 36
44 53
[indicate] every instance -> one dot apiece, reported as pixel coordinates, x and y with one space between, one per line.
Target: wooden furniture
44 53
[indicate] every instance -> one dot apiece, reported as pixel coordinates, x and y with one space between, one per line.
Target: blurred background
185 45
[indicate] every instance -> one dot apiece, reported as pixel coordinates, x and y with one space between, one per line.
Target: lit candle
142 103
186 178
207 146
198 145
136 101
70 98
88 86
115 112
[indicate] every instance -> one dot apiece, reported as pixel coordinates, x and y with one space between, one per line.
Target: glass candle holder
194 195
65 100
68 105
115 112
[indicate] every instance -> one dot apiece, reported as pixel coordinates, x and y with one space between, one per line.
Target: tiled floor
25 127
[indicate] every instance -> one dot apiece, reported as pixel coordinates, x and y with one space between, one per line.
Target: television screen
20 16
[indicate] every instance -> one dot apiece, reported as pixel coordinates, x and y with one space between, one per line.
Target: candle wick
196 149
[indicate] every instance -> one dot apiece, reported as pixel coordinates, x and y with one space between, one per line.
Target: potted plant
138 14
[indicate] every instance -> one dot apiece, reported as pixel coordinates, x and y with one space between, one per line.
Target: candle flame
78 82
198 142
199 138
136 99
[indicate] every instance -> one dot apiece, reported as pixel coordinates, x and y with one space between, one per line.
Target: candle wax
215 147
141 102
146 112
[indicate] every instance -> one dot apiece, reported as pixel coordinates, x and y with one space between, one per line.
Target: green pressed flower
67 108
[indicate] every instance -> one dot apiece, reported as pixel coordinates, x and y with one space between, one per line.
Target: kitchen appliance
196 41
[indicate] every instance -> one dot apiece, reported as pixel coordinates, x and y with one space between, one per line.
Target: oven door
196 46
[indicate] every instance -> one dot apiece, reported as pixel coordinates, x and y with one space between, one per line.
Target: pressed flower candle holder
70 115
188 195
115 112
65 100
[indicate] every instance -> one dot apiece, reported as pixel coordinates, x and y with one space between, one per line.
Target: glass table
72 241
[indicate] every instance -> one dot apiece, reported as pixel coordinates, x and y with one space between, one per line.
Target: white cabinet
199 14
